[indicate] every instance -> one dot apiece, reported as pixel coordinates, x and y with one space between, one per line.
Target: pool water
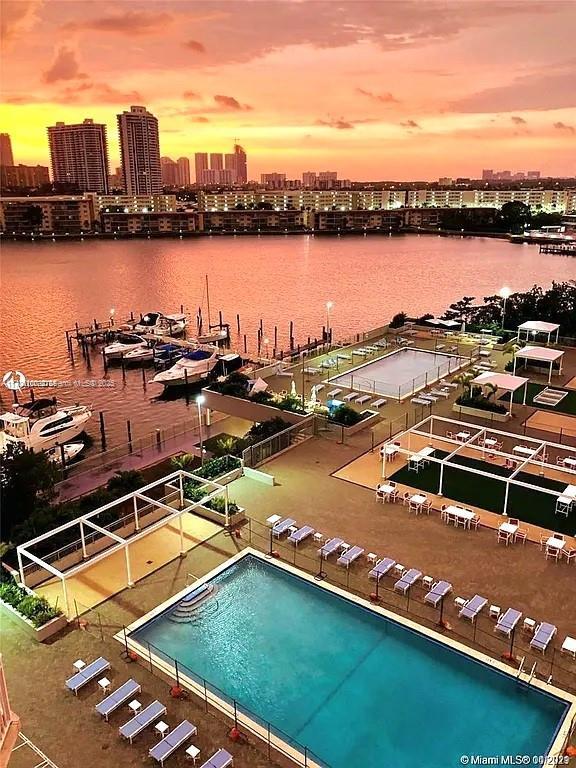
355 688
400 373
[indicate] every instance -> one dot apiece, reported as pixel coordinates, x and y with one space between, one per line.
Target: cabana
504 381
540 355
534 327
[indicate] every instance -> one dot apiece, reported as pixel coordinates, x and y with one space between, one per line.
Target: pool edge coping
562 732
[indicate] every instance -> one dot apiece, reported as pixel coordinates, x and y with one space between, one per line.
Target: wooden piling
102 431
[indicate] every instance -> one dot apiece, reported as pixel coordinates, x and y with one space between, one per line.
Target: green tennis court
566 405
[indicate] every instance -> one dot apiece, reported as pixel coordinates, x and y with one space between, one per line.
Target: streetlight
505 293
199 400
329 305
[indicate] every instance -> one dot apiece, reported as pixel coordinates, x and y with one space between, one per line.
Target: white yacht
162 325
71 450
41 424
191 368
125 342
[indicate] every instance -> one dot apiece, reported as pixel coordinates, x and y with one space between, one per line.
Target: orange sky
374 89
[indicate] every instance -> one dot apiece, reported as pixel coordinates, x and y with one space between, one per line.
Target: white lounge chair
120 696
543 636
301 534
172 741
438 592
348 557
381 568
350 396
333 393
420 401
282 526
379 403
330 547
142 720
220 759
363 399
87 674
409 578
473 608
507 621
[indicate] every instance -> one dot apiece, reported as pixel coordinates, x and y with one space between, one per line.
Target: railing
260 452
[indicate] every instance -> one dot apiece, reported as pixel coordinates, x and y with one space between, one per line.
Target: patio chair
408 580
379 403
543 539
438 592
220 759
381 568
521 535
120 696
553 553
444 512
414 506
426 506
474 522
172 741
543 636
504 536
420 401
282 526
406 498
449 435
472 608
508 621
570 554
348 557
87 674
330 547
301 534
142 720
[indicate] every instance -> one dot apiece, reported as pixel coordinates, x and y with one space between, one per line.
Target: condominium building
169 172
273 180
23 176
200 165
79 155
151 223
6 156
183 175
140 151
241 165
134 203
216 161
55 215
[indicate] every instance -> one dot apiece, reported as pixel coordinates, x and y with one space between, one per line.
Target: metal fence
260 452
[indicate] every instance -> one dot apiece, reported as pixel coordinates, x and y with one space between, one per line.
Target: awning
503 381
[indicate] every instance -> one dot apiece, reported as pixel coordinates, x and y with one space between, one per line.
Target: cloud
411 124
560 126
194 45
97 93
199 119
130 23
518 120
383 98
192 95
231 103
339 124
17 17
64 67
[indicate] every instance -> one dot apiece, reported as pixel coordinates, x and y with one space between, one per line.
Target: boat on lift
162 325
41 424
124 343
192 367
71 450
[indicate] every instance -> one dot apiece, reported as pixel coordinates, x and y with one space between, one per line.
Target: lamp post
505 293
329 305
199 400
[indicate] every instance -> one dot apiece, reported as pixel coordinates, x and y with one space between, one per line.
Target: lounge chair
543 635
333 393
473 607
282 526
301 534
86 675
382 568
330 547
142 720
507 621
429 397
343 356
311 370
172 741
348 557
408 580
118 697
363 399
220 759
438 592
378 403
350 396
420 401
440 393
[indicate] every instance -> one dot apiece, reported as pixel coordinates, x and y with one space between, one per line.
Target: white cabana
533 328
540 355
504 381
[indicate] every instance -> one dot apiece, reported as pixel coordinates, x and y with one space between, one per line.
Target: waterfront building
200 165
169 172
183 173
79 155
134 203
260 220
140 151
309 179
23 176
241 165
57 214
273 180
153 223
6 156
216 161
342 221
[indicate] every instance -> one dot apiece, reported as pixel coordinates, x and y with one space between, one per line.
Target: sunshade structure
505 382
545 355
137 514
533 328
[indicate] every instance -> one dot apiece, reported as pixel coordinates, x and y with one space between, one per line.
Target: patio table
523 450
555 543
463 436
389 450
386 489
569 462
462 514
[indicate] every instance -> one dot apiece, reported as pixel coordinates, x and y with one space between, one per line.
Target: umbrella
313 396
293 390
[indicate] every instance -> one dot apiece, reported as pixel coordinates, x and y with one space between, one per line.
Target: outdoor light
199 401
505 293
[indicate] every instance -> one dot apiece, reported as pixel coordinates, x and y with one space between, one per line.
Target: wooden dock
560 249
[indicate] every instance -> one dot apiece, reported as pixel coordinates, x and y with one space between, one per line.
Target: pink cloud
127 23
64 67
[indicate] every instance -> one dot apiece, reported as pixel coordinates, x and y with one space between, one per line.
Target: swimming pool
400 373
356 688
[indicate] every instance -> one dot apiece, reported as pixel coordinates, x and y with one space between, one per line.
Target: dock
560 249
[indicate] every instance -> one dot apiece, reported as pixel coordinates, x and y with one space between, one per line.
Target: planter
480 413
247 409
41 634
369 421
216 517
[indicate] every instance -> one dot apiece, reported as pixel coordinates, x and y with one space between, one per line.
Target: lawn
566 405
528 505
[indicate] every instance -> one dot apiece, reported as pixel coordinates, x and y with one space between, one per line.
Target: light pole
199 400
329 305
505 293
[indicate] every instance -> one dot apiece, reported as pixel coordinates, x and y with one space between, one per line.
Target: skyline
403 90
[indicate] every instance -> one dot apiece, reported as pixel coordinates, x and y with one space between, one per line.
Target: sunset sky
373 90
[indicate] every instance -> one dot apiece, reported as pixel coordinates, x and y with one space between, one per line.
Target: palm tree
185 461
490 389
465 381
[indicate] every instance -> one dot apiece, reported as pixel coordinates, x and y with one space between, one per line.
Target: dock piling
129 430
102 431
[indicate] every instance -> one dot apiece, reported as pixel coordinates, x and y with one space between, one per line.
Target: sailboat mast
208 301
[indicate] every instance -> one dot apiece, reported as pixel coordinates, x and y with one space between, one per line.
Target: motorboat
41 424
71 450
214 336
160 324
168 354
124 343
192 367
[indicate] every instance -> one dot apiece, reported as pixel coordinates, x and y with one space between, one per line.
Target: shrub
346 416
235 385
291 403
262 397
265 429
217 467
398 320
37 609
482 403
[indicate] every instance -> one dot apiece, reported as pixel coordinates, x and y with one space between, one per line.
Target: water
49 286
400 372
353 687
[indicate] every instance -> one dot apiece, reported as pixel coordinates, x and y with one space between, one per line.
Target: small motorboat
192 367
214 336
71 450
162 325
124 343
41 424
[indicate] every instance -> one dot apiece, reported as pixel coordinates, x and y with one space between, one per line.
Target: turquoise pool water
355 688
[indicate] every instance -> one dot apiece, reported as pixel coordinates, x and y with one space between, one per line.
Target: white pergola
540 355
172 504
434 428
504 381
533 328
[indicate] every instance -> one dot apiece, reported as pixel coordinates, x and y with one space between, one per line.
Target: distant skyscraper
200 165
241 165
533 175
487 174
230 165
79 155
183 175
140 151
6 156
309 179
116 179
216 161
169 172
273 180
